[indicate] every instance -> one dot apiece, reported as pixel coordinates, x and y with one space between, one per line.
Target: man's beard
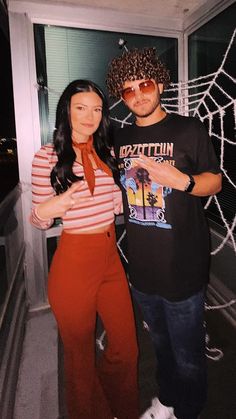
148 113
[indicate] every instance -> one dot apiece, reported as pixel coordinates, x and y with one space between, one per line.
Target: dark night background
8 152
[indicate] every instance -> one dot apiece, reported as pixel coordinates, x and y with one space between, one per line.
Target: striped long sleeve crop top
86 215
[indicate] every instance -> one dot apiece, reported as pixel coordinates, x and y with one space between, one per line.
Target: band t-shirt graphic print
146 198
166 228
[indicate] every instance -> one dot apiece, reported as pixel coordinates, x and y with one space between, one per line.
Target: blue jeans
178 334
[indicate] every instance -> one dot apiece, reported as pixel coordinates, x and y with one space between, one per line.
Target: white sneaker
158 411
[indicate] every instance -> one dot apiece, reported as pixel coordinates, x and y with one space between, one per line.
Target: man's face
142 96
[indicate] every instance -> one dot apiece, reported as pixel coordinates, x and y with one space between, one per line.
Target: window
207 47
66 54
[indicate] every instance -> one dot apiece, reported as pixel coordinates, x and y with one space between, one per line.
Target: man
167 163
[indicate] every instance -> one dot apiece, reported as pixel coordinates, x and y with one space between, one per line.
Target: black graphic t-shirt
167 232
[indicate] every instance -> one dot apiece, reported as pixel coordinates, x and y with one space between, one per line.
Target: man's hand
163 173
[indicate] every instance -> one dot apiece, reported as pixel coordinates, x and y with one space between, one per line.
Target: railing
13 306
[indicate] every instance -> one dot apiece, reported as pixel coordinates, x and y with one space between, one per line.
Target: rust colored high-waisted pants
86 278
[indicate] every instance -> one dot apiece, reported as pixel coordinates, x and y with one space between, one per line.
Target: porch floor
37 393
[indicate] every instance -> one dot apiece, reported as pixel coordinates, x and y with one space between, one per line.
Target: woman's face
86 115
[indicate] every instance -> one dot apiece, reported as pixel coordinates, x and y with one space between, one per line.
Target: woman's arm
58 205
42 190
46 205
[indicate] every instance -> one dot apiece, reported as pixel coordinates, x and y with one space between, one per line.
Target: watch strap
190 185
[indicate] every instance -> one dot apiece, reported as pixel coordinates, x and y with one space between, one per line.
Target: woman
74 179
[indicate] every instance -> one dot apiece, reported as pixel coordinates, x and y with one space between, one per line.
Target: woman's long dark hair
62 175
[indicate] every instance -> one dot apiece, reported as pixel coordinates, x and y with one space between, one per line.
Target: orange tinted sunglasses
146 87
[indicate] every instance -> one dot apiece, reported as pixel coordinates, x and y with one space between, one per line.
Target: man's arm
206 183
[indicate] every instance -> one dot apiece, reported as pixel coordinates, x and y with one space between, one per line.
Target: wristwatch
190 185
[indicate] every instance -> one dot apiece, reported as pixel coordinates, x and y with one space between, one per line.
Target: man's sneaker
158 411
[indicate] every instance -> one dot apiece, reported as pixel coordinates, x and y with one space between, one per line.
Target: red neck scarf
86 149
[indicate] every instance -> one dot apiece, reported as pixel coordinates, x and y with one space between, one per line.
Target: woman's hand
58 205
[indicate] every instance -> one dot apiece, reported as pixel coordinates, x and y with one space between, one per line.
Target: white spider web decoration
206 98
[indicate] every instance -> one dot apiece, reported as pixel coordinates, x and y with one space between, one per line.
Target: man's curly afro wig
132 65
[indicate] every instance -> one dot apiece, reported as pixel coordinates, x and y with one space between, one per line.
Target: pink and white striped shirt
86 215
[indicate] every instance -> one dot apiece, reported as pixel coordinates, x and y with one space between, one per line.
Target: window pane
207 48
66 54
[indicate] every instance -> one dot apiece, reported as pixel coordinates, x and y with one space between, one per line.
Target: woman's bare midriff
94 231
